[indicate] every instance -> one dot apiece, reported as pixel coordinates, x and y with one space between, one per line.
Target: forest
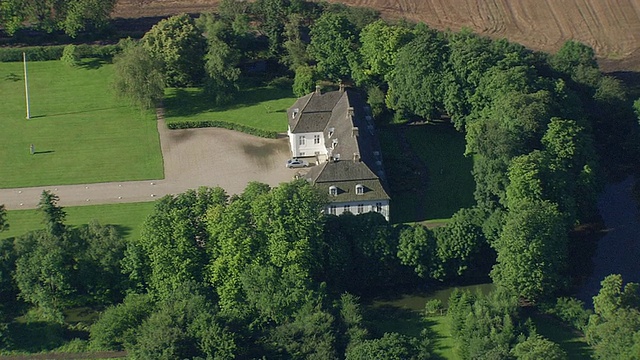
265 274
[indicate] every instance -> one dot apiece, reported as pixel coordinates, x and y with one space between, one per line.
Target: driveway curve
192 158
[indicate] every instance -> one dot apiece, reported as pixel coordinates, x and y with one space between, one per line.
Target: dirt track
611 27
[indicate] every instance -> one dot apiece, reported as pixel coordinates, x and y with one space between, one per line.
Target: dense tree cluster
71 16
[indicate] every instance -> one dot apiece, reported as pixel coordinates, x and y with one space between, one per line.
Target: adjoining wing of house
335 130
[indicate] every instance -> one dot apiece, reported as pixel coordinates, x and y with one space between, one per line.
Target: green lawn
573 343
449 184
262 108
128 218
81 132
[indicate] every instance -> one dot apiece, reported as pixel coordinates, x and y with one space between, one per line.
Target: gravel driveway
192 158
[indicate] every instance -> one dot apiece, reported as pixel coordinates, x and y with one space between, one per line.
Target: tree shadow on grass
188 102
35 336
381 319
12 77
124 231
92 64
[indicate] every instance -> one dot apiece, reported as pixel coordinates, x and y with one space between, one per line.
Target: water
618 251
417 301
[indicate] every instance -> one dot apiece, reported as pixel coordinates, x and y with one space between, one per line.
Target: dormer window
333 191
294 113
334 143
331 131
359 189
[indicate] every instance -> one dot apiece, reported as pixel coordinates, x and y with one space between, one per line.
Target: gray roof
343 118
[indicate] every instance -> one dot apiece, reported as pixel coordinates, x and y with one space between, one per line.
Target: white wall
309 148
368 206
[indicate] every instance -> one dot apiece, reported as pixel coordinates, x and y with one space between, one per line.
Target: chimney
341 87
318 89
350 111
356 157
354 131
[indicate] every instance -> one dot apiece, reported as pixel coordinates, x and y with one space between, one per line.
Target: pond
618 252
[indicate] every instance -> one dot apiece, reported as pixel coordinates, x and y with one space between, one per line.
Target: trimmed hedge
54 52
225 125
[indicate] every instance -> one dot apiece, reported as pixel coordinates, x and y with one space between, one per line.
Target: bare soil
611 27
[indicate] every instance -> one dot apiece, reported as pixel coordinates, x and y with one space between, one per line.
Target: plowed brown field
611 27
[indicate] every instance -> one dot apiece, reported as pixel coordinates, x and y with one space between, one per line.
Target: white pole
26 84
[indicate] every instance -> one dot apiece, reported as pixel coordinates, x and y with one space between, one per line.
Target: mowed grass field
81 132
263 108
128 218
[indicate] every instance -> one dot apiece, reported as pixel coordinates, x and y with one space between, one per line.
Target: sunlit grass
81 132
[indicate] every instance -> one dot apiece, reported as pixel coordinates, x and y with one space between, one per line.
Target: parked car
296 163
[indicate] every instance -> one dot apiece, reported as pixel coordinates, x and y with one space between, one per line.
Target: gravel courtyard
192 158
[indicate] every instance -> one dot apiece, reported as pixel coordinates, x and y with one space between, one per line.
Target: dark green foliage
70 56
53 214
71 16
4 225
184 325
532 251
392 346
415 83
304 80
309 335
138 77
380 45
177 43
376 100
221 60
173 239
224 125
417 248
614 329
98 270
571 311
115 329
483 326
334 46
54 52
43 272
537 347
577 61
360 253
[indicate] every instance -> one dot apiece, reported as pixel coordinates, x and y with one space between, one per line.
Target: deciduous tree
178 44
138 77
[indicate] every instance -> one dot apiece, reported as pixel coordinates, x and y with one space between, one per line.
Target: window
333 191
360 208
334 143
378 207
359 189
332 210
303 140
331 130
347 208
316 139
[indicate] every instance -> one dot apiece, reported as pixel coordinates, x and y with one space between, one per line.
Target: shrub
433 307
55 52
570 311
225 125
70 56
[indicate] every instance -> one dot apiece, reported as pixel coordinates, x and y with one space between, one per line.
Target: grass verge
263 108
572 342
81 132
128 218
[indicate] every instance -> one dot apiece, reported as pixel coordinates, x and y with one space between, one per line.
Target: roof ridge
302 110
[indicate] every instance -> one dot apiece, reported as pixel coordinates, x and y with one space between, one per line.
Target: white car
296 163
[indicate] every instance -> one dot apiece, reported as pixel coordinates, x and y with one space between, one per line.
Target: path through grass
81 132
262 108
128 218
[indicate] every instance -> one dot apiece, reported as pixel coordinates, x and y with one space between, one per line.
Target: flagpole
26 84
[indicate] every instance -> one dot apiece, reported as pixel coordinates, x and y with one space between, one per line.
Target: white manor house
335 131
